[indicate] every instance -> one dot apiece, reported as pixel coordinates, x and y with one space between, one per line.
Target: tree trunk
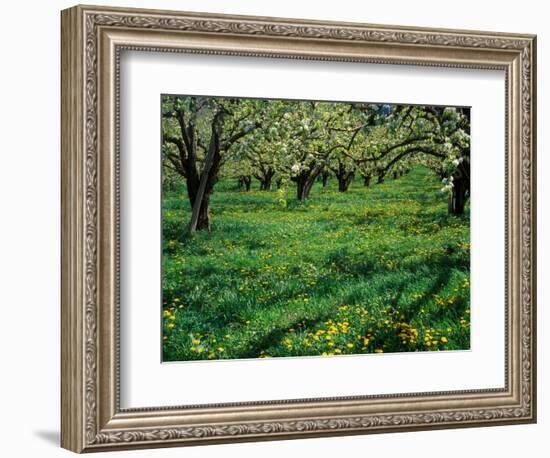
244 182
203 222
458 197
265 181
380 178
395 175
304 185
200 217
247 181
278 183
366 180
301 191
324 179
344 181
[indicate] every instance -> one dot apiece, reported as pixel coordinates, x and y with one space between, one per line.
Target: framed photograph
279 228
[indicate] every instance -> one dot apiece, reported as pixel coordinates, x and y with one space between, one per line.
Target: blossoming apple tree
300 141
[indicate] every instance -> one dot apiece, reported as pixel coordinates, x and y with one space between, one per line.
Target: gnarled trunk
244 182
200 195
304 183
344 180
203 222
344 176
324 178
303 188
265 180
459 196
366 180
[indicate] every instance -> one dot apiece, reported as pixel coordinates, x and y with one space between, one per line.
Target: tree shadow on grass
275 336
439 281
443 271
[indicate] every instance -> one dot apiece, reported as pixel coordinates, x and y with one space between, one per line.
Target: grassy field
377 269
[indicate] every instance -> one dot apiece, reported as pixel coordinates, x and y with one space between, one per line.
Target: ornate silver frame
92 39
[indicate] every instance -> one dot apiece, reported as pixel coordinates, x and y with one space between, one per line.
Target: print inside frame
348 269
113 416
480 89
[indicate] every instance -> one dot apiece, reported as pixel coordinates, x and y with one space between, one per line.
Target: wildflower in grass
346 301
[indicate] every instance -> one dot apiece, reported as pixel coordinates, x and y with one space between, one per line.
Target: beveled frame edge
91 36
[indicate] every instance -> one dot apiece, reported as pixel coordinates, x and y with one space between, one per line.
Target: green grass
377 269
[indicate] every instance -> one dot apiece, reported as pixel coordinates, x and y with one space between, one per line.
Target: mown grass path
376 269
